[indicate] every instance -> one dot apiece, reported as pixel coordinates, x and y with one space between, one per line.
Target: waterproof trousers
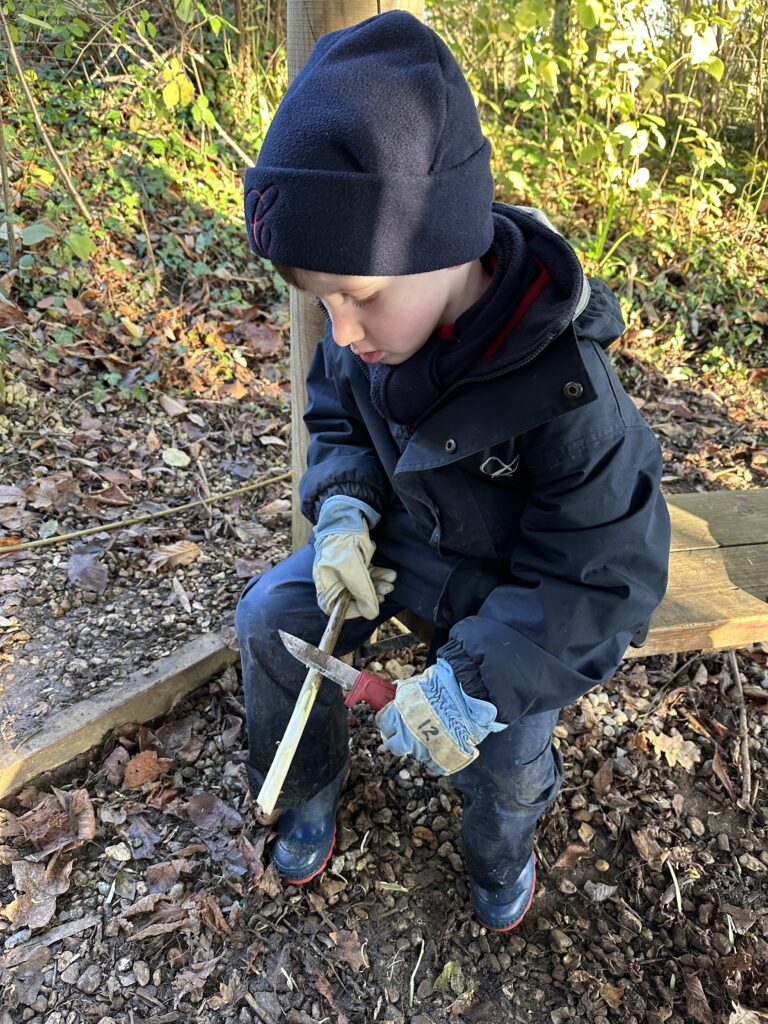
517 773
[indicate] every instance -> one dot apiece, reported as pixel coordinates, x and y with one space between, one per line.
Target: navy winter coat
542 469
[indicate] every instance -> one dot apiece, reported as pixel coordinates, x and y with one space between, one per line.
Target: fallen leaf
743 1015
602 780
613 994
192 979
696 1002
172 406
175 457
719 769
349 949
246 568
10 495
651 852
171 556
278 507
145 767
322 985
675 749
211 814
162 877
153 441
87 572
143 838
598 892
114 766
211 914
571 855
75 306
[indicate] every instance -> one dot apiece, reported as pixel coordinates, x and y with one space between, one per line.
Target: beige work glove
343 553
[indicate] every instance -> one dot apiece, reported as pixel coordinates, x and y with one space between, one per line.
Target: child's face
386 319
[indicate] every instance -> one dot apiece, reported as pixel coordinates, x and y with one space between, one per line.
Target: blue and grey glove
433 719
343 553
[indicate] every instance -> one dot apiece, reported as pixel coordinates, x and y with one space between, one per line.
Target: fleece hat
374 163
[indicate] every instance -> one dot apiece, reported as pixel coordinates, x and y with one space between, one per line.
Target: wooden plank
718 519
144 695
715 600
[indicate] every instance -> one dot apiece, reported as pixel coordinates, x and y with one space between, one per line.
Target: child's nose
347 330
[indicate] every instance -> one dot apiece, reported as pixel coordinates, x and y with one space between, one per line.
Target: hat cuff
345 222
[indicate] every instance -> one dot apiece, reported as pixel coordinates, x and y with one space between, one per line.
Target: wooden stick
746 764
28 545
40 127
273 783
7 198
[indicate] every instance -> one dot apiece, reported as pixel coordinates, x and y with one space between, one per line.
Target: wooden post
307 21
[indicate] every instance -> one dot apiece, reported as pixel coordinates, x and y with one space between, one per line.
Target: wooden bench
717 599
717 596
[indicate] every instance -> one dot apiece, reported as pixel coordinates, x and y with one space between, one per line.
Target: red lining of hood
445 331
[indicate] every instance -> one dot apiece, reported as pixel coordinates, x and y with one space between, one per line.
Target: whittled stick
273 783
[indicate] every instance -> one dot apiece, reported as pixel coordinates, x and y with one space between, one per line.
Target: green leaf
639 178
37 232
172 94
34 21
186 90
590 13
185 10
716 68
548 71
81 245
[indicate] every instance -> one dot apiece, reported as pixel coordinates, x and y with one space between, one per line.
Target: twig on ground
746 764
40 126
415 969
150 251
7 198
28 545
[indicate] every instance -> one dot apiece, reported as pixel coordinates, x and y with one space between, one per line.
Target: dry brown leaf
193 978
170 556
278 507
743 1015
114 766
39 886
322 985
112 495
153 441
571 855
211 814
696 1002
245 568
349 949
44 822
10 495
74 306
172 406
598 892
675 749
162 877
145 767
88 572
602 780
719 769
211 914
613 994
653 854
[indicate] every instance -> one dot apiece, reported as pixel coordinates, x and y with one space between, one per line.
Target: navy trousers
517 773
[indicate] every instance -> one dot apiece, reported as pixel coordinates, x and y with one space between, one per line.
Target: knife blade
358 686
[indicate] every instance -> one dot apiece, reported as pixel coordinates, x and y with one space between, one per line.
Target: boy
466 427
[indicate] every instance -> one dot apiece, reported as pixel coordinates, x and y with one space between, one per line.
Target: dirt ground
139 888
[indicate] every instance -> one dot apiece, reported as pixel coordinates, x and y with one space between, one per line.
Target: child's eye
365 302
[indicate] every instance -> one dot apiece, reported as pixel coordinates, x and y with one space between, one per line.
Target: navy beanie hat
374 164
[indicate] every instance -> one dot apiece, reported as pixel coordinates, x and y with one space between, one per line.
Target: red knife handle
372 689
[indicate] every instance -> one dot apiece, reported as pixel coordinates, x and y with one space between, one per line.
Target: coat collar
494 410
